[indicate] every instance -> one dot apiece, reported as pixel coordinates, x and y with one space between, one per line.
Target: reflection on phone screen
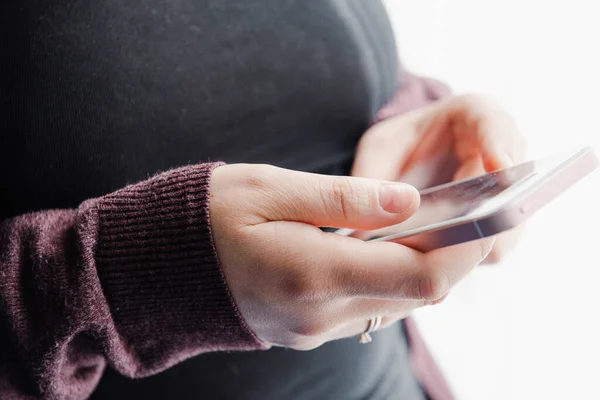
455 200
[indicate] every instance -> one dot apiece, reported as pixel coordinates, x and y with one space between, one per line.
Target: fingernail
397 198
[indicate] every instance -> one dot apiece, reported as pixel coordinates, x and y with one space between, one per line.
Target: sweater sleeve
131 279
414 92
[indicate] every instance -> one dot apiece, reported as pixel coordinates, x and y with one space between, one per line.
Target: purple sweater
132 279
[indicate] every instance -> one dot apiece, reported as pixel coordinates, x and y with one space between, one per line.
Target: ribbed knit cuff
160 272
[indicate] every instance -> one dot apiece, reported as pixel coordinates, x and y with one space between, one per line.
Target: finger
356 327
447 266
363 308
347 330
435 137
344 267
505 242
338 267
382 151
482 126
383 270
335 201
469 169
474 127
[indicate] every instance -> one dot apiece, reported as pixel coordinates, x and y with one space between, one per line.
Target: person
167 169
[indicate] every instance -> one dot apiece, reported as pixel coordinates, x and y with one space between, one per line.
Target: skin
472 131
299 287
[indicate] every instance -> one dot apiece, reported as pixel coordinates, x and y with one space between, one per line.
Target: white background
529 328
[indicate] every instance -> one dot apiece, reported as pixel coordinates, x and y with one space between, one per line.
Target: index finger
392 271
473 127
481 126
320 265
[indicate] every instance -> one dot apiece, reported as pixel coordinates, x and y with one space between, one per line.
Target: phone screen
468 199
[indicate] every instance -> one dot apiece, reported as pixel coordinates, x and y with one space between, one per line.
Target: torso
96 95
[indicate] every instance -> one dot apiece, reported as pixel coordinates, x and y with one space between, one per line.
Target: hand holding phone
487 205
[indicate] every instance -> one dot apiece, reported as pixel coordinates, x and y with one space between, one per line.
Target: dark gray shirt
105 93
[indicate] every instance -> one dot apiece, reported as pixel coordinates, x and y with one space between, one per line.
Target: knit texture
131 278
160 272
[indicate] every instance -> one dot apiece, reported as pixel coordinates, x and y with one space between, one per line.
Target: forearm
131 278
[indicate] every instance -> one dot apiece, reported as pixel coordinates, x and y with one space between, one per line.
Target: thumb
338 201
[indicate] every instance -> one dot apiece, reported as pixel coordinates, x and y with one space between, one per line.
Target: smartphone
487 205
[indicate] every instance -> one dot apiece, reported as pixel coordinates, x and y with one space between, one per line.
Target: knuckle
433 285
344 198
